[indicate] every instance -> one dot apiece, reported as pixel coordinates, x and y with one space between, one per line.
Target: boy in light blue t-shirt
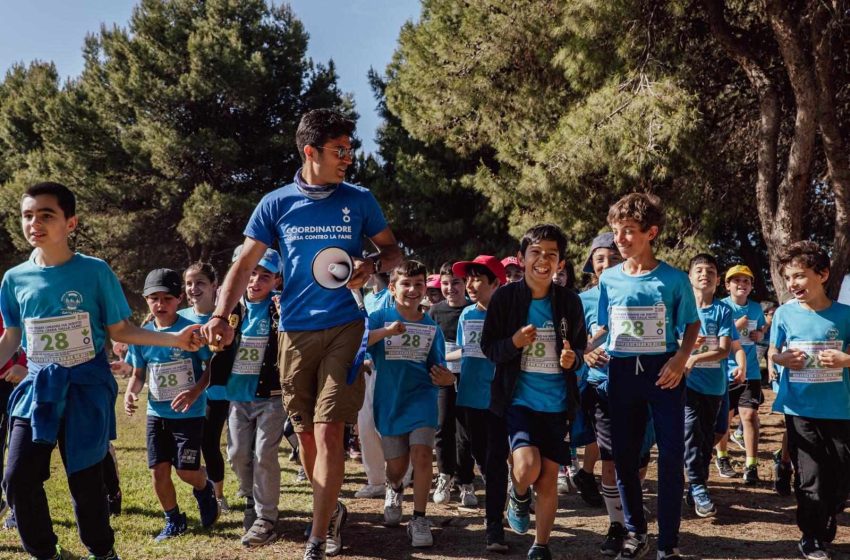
643 303
60 307
481 436
808 340
408 350
256 420
176 405
706 380
745 397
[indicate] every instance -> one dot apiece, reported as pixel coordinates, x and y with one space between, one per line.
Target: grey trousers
254 431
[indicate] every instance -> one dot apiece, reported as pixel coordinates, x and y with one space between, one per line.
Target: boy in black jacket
535 334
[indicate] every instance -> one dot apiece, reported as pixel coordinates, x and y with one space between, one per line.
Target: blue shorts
547 431
176 441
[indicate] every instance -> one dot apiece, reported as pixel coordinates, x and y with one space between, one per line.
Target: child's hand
442 376
672 372
525 336
184 401
15 374
189 338
700 341
130 405
396 328
568 356
739 375
689 365
756 336
792 359
596 358
120 349
121 368
833 358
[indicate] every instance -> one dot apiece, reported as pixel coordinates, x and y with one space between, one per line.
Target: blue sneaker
207 505
174 527
703 506
519 517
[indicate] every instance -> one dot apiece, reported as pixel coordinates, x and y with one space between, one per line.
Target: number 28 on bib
639 329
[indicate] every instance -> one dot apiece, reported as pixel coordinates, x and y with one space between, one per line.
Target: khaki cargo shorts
313 370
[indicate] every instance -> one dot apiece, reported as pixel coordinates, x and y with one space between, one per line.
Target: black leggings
216 416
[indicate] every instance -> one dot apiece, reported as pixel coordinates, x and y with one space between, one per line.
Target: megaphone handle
358 297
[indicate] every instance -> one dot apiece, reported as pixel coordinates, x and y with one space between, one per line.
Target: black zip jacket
221 364
506 314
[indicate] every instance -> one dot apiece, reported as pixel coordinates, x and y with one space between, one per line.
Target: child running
409 353
808 341
201 282
61 306
643 302
534 332
176 404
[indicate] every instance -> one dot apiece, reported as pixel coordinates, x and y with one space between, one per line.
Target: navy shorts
547 431
176 441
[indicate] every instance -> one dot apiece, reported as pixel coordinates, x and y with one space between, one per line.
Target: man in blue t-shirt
808 340
321 330
176 405
60 307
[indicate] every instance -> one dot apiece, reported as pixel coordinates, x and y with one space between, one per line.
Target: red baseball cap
433 281
511 261
491 262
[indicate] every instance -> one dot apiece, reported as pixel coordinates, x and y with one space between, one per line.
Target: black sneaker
496 538
811 549
613 543
634 546
539 552
589 491
782 473
724 467
751 475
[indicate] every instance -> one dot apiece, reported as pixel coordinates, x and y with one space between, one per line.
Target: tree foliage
177 126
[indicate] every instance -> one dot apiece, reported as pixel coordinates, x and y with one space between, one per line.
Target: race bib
710 344
541 356
414 344
169 379
638 330
472 339
64 340
453 366
249 357
745 333
814 371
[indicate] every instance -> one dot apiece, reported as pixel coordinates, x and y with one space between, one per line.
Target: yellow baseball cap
739 269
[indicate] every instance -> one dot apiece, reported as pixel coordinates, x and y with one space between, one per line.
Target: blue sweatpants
631 387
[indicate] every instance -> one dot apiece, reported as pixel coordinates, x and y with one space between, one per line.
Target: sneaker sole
640 554
704 515
497 547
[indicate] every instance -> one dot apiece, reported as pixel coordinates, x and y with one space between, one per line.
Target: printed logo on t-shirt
71 301
263 327
345 215
832 333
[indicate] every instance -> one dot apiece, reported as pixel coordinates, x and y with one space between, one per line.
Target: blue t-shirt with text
304 227
169 371
643 313
709 378
476 371
256 326
816 391
541 385
405 397
214 392
755 317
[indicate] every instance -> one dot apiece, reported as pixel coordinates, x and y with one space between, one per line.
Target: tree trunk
838 165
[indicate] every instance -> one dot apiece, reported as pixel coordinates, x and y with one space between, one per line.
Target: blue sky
356 34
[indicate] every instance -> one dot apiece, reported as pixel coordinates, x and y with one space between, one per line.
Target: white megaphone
332 269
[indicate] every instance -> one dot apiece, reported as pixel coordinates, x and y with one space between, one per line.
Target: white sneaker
392 506
419 531
467 496
443 491
370 491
